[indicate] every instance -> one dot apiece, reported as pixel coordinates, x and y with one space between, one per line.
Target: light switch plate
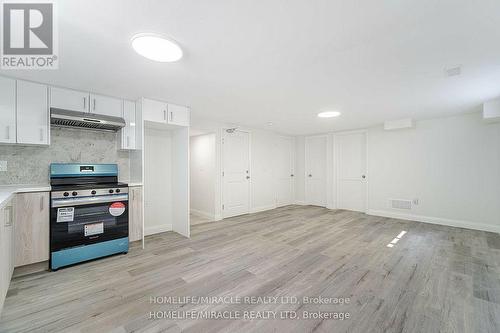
3 166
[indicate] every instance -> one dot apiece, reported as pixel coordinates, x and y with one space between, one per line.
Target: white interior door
236 173
351 171
284 171
316 149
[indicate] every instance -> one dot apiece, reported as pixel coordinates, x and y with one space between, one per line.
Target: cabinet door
7 110
31 228
69 99
129 131
135 217
178 115
107 106
155 111
4 258
32 113
6 251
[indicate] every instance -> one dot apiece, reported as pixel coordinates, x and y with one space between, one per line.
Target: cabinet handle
41 203
171 116
8 132
41 134
94 104
9 217
164 115
84 103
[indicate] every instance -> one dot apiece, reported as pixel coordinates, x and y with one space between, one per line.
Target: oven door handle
88 200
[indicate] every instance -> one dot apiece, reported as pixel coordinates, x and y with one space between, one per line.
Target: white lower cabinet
33 123
135 213
6 249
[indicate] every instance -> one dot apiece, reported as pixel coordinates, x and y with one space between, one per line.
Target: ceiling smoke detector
455 71
329 114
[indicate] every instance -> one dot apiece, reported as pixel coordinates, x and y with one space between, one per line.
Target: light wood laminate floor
434 279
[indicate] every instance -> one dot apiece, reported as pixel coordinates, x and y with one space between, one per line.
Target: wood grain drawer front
31 228
135 214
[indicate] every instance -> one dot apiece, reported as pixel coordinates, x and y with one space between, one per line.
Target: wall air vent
400 204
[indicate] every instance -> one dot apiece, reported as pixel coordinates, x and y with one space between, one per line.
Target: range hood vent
66 118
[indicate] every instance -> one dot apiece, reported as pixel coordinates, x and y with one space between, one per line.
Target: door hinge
222 173
222 207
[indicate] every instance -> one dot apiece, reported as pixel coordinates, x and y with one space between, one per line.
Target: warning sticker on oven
117 208
66 214
94 229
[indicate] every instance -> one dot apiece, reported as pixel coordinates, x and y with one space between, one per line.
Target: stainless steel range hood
66 118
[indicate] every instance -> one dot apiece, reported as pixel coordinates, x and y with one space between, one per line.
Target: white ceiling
251 62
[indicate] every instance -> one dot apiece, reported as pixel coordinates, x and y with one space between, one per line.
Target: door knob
248 177
363 176
310 175
291 175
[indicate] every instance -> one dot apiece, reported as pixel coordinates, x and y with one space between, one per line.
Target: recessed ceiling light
329 114
156 47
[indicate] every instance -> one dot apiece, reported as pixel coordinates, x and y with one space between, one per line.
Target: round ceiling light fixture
156 47
329 114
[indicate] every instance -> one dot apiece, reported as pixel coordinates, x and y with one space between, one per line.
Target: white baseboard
158 229
262 208
301 203
200 213
435 220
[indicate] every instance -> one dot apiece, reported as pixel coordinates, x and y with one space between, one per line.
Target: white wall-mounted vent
491 110
398 124
400 204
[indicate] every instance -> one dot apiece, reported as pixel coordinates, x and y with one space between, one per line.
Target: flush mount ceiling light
329 114
156 47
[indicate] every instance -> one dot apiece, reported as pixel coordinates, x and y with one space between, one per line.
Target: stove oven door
84 221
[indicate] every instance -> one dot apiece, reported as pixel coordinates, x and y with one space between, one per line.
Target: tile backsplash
30 164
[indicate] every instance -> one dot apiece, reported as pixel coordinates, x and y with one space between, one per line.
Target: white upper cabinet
7 110
161 112
107 106
178 115
155 111
33 125
128 133
67 99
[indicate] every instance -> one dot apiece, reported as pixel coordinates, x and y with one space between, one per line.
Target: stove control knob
93 192
111 191
65 194
117 190
74 194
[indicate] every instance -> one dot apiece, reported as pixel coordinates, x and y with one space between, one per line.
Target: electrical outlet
415 202
3 166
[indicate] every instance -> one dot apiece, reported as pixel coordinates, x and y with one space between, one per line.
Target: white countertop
7 191
134 184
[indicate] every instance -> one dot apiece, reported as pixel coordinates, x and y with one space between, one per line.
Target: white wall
262 145
452 165
203 175
300 181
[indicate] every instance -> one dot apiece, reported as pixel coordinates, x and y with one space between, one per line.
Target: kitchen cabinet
161 112
7 110
178 115
154 111
68 99
135 213
6 250
107 106
33 123
128 133
31 228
